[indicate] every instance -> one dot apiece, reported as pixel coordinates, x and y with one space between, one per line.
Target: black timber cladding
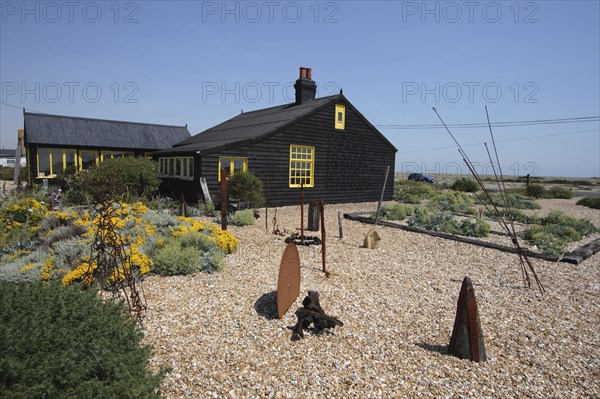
350 164
68 131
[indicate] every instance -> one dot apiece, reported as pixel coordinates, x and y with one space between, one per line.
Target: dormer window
340 116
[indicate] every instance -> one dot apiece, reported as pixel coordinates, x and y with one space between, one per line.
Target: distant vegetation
590 202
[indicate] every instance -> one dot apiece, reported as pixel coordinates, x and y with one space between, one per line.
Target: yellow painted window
51 161
340 116
302 166
87 159
69 160
232 165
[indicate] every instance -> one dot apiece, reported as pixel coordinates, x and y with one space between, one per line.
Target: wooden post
302 212
323 237
17 169
382 193
223 199
340 224
205 191
267 203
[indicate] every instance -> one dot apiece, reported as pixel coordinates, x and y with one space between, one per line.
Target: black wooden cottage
55 142
324 143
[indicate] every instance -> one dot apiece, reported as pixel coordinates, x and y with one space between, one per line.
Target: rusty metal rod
223 199
323 237
302 212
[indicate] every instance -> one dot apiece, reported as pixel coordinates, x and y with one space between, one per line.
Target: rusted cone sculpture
288 284
372 239
466 341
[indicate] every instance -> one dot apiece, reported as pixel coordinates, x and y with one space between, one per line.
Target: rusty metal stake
302 212
323 237
223 199
466 341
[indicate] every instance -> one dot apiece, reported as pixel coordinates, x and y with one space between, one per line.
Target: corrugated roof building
56 142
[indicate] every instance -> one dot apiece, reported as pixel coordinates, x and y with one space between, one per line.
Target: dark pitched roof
86 132
254 126
7 153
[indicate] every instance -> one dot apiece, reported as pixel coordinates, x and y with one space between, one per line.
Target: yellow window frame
302 166
231 168
340 116
80 157
62 160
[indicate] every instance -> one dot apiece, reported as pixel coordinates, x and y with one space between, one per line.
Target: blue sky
201 62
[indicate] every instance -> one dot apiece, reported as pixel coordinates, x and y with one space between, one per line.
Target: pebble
398 306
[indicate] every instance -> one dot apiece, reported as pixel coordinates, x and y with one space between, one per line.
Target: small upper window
340 116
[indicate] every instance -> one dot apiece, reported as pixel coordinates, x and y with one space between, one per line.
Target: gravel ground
217 331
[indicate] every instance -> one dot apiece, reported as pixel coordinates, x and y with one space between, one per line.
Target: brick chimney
306 88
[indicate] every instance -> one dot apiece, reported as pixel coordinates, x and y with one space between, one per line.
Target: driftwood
312 313
583 252
448 236
466 341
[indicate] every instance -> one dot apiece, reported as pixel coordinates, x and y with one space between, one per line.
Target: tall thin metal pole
302 212
382 194
223 199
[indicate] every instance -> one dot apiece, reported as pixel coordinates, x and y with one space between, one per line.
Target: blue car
421 177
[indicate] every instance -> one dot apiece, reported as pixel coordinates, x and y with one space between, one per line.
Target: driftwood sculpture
312 313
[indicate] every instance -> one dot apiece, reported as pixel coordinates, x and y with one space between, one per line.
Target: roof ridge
287 104
101 120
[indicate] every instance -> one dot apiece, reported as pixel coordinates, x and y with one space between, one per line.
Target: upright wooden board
288 284
204 187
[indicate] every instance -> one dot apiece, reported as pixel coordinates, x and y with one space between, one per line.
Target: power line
21 108
500 141
497 124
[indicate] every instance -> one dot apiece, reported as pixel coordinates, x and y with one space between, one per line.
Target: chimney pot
309 73
302 72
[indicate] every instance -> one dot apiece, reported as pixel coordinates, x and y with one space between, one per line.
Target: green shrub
558 192
545 240
514 201
7 173
243 218
453 201
76 197
23 268
411 192
431 219
246 187
59 342
582 226
466 185
556 230
535 190
515 215
406 198
395 212
172 259
590 202
187 254
126 177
